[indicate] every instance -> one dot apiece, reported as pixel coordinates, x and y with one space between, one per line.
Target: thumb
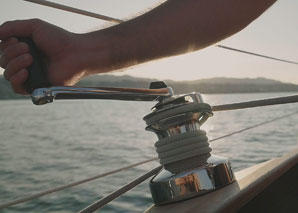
18 28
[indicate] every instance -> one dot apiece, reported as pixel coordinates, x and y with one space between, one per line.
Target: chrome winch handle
42 96
42 93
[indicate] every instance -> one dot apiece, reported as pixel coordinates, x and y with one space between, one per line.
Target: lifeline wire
40 194
256 54
256 103
102 202
74 10
254 126
43 193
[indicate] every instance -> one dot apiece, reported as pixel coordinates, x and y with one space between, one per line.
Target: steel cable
256 54
74 10
256 103
253 126
102 202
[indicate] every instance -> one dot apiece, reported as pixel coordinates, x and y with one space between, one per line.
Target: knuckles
34 21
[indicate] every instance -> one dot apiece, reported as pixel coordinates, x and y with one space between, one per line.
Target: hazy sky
275 34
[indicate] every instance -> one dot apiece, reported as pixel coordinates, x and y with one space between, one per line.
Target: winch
189 169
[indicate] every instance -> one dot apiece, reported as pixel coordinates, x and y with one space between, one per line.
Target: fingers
12 50
8 42
17 81
20 28
15 58
17 64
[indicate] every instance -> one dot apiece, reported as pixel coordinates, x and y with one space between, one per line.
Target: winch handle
37 77
38 86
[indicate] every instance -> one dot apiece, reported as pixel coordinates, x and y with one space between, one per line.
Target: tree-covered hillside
205 86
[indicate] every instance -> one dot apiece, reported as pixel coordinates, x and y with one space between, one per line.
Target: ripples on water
46 146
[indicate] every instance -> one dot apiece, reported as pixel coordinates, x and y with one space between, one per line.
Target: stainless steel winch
183 149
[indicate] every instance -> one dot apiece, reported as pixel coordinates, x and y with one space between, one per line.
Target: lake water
46 146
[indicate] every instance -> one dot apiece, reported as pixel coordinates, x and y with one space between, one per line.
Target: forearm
176 27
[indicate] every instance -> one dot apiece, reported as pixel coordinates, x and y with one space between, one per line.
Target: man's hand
61 51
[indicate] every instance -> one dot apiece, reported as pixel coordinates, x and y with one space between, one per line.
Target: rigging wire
255 54
254 126
40 194
115 20
102 202
74 10
256 103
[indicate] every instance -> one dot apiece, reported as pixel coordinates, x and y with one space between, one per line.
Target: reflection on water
45 146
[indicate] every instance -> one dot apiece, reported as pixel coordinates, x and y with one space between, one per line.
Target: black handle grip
37 70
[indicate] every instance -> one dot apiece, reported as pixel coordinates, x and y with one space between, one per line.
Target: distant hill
233 85
205 86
